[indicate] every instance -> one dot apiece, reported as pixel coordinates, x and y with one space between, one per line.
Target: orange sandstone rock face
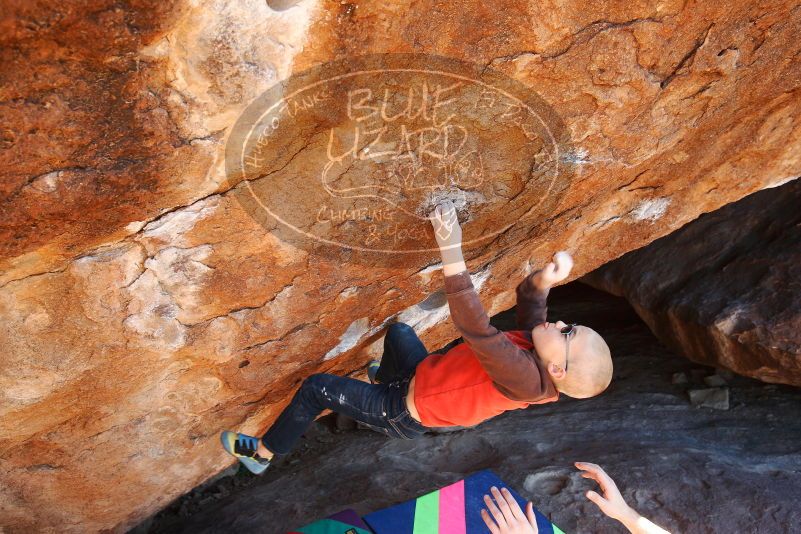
148 301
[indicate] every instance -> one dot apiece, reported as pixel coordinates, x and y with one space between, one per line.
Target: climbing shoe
244 448
372 370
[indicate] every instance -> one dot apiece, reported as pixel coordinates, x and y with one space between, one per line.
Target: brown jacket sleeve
516 373
531 308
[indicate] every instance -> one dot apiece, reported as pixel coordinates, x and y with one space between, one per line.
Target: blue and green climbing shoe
244 448
372 370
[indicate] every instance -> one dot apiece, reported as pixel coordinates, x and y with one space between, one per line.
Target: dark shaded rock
714 381
679 378
724 290
717 398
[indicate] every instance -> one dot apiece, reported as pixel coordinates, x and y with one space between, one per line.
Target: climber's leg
378 406
403 350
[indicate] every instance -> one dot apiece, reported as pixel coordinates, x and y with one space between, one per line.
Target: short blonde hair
590 368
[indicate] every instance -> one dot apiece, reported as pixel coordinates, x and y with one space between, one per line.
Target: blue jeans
380 406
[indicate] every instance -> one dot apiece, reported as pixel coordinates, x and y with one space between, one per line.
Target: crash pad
453 509
344 522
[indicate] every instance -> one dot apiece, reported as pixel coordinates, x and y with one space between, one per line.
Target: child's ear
555 371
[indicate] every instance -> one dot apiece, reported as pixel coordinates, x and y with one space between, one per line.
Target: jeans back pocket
402 425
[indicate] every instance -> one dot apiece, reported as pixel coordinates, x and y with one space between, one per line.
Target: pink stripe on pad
451 509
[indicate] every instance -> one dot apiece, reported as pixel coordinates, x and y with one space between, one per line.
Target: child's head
589 365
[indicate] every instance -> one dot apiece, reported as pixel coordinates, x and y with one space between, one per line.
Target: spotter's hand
505 516
611 503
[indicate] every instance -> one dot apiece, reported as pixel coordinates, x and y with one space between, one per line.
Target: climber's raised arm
532 293
513 372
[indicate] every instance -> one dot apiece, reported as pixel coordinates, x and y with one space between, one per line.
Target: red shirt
492 371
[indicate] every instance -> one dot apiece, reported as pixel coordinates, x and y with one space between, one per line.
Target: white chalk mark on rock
355 331
781 181
651 209
172 226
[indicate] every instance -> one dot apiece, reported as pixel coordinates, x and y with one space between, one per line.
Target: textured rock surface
692 470
143 310
734 298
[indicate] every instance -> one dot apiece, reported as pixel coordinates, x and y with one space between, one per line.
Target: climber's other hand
555 271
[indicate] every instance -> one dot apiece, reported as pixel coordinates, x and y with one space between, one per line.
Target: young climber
489 373
506 517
